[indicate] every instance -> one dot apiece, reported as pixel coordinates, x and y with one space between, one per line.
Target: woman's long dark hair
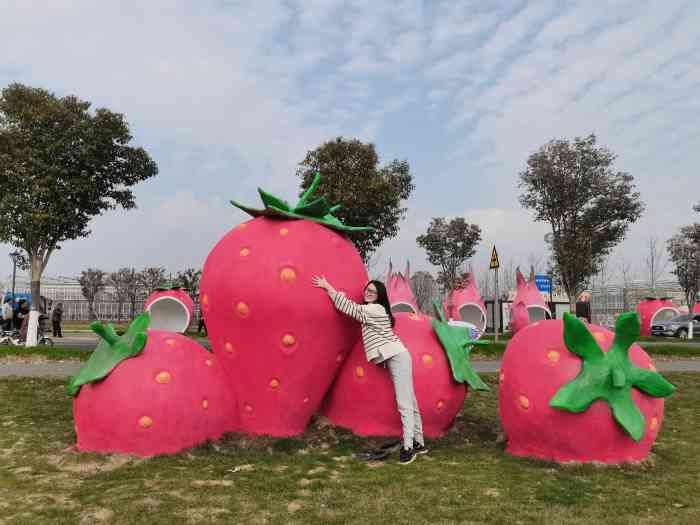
383 299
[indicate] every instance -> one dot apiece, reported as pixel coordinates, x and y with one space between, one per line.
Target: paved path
64 369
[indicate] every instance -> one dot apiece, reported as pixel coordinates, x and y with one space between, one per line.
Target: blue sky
230 95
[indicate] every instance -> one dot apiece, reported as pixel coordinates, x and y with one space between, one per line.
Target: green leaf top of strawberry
111 350
456 342
168 285
317 210
610 375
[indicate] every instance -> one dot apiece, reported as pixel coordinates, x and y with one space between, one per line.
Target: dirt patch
205 515
68 463
101 515
294 506
212 483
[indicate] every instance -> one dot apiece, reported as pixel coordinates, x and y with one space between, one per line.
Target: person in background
23 317
8 314
56 317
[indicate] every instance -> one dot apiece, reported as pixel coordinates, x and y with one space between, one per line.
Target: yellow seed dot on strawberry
205 404
288 340
274 383
145 422
288 275
360 372
553 356
242 309
654 424
284 232
427 360
339 358
208 362
440 405
601 337
171 343
205 299
228 347
245 252
242 226
501 377
524 402
414 317
306 400
163 378
248 408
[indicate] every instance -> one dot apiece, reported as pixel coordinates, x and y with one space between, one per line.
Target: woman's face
370 293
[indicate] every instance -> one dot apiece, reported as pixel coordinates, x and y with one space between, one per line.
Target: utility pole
15 257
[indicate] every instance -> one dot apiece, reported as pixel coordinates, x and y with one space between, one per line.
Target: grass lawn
467 477
489 352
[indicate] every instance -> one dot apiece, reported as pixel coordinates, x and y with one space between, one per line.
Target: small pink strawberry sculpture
398 287
171 308
280 343
528 299
149 392
575 392
467 305
652 310
696 308
362 398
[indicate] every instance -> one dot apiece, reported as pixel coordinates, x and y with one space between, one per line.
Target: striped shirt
378 337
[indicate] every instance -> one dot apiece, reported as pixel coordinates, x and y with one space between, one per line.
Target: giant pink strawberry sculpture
575 392
467 304
528 305
652 310
362 398
280 343
149 392
398 287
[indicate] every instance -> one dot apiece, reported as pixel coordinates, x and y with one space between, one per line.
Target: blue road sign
543 283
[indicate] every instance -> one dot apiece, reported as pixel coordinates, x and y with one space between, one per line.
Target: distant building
67 290
610 301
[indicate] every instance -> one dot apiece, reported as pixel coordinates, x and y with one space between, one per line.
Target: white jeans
401 370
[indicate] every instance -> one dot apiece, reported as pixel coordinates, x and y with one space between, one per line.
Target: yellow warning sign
494 260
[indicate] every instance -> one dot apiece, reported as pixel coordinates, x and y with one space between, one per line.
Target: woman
56 317
382 346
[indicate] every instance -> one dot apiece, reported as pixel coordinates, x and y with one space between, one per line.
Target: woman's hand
319 281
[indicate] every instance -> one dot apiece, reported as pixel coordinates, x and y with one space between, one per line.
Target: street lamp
16 256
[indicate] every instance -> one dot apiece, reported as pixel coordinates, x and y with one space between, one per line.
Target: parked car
677 326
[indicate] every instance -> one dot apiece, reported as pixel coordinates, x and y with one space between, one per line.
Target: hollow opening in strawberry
664 314
169 313
537 313
474 315
403 308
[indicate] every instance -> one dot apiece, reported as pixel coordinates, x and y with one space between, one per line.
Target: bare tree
655 262
92 282
151 278
506 278
425 289
120 282
628 274
685 254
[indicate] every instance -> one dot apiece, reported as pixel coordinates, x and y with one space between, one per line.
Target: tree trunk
91 310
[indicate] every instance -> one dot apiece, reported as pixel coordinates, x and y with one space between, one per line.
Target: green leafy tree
572 186
92 282
370 195
189 280
684 251
60 166
449 245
